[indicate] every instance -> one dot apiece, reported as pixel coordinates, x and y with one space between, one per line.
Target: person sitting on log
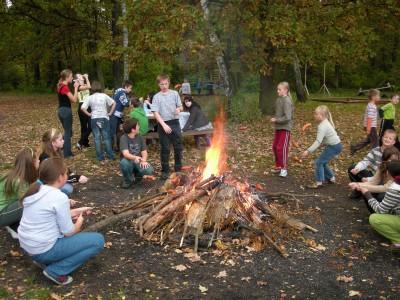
197 120
386 214
133 148
368 166
378 184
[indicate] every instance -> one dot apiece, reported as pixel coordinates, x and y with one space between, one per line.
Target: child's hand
73 202
355 171
363 190
80 219
144 164
83 179
364 179
76 85
273 120
354 185
167 129
177 111
305 154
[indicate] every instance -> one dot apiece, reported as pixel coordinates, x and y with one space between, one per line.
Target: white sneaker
283 173
13 233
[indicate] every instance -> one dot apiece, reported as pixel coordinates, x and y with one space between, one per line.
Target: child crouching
46 230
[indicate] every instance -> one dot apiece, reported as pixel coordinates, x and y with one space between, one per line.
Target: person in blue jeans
326 134
102 107
134 155
49 228
65 97
121 101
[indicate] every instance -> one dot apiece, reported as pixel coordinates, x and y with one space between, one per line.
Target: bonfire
205 200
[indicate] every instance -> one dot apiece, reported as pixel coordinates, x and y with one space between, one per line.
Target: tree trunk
36 73
223 71
115 31
267 94
300 93
337 76
125 41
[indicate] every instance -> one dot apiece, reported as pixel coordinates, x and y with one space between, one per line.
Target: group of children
376 178
35 193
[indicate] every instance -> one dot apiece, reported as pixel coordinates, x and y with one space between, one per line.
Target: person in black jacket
197 120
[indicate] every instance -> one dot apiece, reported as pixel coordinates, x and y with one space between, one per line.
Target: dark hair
24 171
372 93
49 171
190 98
163 77
47 143
129 125
393 168
151 95
386 156
97 87
127 83
136 102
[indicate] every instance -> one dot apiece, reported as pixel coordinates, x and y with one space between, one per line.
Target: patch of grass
37 294
3 293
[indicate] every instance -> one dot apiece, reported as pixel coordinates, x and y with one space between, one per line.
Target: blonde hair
162 77
324 110
373 93
47 142
64 74
285 84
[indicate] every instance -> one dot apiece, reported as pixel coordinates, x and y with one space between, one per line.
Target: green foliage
3 293
244 108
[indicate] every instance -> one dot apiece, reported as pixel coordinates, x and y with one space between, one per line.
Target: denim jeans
114 123
322 171
101 129
129 168
11 214
67 189
174 138
69 253
65 116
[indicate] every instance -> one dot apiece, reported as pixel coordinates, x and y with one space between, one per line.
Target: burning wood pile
209 201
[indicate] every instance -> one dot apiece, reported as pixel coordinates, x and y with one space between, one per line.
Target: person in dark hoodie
139 114
121 99
197 120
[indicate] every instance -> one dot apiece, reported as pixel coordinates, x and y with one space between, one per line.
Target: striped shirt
371 112
390 204
372 160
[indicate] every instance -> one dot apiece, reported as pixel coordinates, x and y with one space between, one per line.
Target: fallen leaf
247 279
178 251
55 296
185 168
262 283
108 245
15 253
354 293
344 278
221 274
193 257
220 245
149 177
259 187
180 268
203 289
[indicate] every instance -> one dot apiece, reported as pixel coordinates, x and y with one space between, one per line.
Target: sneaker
60 280
283 173
126 185
12 232
276 170
79 146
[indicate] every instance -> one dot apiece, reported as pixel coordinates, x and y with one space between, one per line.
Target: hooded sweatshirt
46 217
121 100
284 110
139 114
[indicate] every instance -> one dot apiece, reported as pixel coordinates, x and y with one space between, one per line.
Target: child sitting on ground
386 217
283 122
389 113
47 232
139 114
197 120
14 184
133 147
370 123
380 182
52 145
370 163
326 135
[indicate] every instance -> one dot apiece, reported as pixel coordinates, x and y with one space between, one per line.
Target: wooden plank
346 100
154 135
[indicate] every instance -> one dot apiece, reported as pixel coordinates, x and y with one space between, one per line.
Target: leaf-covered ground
344 258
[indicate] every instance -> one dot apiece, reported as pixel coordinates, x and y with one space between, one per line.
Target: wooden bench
154 135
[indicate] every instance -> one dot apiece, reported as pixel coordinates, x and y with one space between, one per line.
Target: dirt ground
131 268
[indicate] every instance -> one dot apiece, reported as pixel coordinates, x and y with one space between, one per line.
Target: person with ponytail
52 144
283 122
49 228
14 184
326 135
385 217
65 97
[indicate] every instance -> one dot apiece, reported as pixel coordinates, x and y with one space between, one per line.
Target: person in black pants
83 93
166 107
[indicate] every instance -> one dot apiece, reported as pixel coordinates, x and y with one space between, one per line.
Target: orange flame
215 155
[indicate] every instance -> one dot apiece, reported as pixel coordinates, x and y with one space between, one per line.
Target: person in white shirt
326 135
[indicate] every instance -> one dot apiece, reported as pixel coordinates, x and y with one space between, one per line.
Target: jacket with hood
390 204
284 111
139 114
121 100
46 217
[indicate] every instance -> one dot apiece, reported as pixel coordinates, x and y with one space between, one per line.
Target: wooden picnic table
154 135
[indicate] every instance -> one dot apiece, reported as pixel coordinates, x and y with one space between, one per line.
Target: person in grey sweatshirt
283 122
